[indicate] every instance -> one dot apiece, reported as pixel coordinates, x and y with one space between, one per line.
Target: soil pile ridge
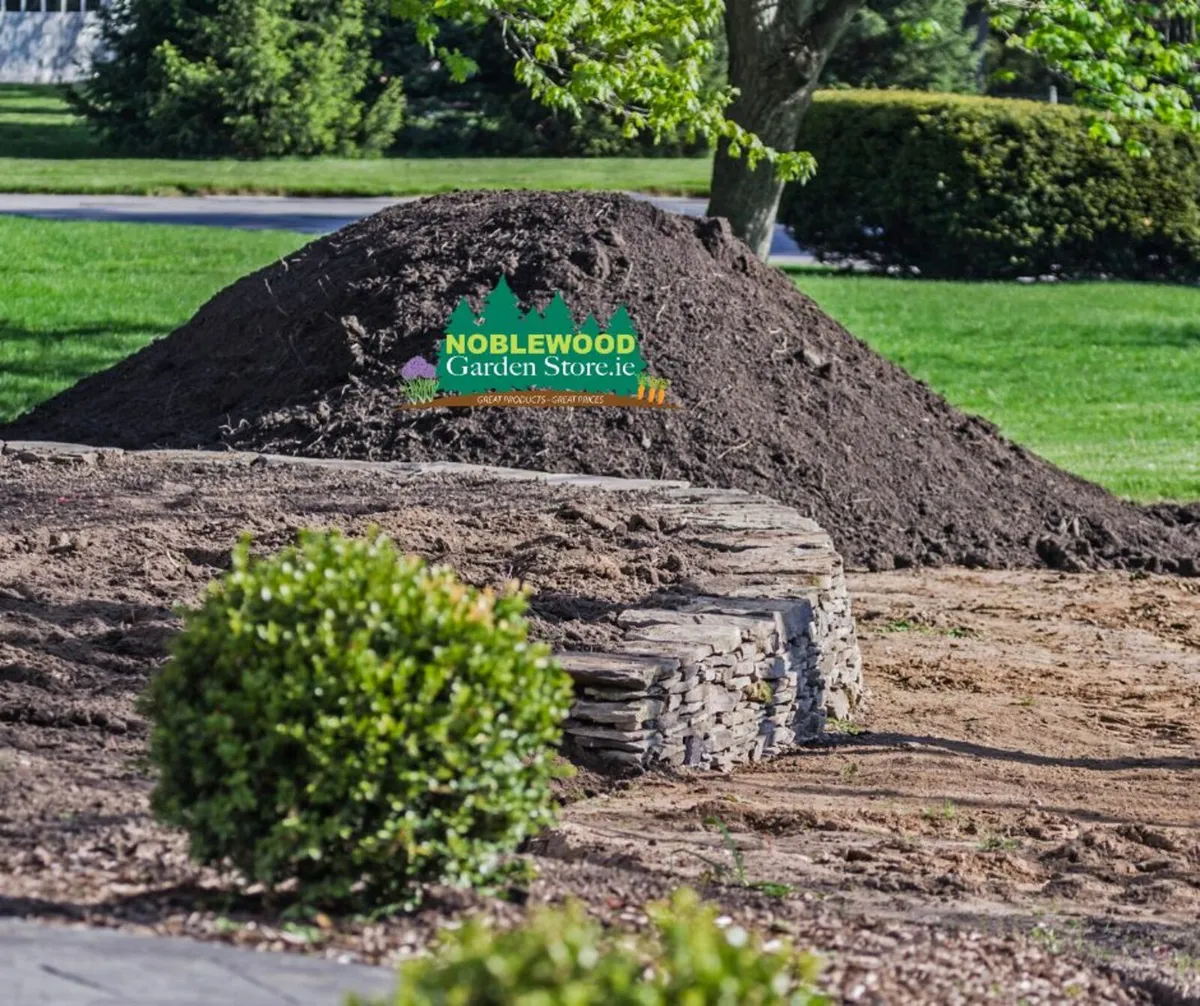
304 357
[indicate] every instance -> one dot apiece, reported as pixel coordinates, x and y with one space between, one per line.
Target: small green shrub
981 188
562 958
348 717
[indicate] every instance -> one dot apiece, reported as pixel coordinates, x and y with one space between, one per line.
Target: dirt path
1030 758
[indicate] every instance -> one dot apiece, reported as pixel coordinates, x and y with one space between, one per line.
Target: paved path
308 216
59 966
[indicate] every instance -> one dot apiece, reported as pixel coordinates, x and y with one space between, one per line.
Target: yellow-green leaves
1122 54
563 958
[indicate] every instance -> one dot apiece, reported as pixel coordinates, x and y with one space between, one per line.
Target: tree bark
777 49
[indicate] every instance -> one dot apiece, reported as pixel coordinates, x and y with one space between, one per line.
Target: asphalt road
59 966
308 216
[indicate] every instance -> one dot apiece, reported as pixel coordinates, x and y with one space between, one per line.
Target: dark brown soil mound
304 358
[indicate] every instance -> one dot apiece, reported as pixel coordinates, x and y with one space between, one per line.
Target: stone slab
609 670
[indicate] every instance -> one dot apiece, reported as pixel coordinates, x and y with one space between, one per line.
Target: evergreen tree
501 311
247 78
462 319
926 45
622 324
590 326
557 319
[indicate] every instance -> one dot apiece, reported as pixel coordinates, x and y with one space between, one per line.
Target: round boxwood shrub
562 958
348 717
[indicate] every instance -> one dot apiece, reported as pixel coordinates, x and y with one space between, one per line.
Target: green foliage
259 77
923 45
984 188
562 958
491 113
645 63
420 389
247 78
350 718
1124 55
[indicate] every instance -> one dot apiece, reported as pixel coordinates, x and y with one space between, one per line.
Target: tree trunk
777 49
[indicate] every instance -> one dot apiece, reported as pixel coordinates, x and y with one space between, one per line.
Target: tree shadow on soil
827 790
943 745
132 641
160 903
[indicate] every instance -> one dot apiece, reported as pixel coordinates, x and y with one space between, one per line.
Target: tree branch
830 21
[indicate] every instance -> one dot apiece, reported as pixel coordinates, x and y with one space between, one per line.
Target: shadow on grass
58 142
36 123
14 332
35 365
1160 336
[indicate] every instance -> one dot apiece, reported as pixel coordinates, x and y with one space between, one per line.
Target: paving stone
44 965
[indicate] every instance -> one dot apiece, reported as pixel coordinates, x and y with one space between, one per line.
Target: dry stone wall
752 665
750 658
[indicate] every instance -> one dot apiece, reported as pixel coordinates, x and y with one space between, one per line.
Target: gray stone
686 654
722 700
627 759
622 715
837 705
590 736
616 670
697 750
776 668
720 638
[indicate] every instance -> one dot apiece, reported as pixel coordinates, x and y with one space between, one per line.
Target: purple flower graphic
418 368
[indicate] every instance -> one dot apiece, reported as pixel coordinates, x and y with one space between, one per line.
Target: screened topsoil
304 357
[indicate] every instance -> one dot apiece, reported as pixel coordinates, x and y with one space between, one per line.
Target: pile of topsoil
304 357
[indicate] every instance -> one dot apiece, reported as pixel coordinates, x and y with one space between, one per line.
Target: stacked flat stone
751 665
748 660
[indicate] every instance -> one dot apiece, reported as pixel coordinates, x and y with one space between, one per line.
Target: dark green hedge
959 186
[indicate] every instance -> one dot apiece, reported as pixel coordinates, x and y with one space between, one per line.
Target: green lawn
1101 378
77 297
48 150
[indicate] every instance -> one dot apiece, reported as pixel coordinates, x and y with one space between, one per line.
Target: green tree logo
505 349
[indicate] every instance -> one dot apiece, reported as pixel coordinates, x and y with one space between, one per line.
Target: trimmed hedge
957 186
348 717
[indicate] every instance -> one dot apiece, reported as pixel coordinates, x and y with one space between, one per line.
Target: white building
47 41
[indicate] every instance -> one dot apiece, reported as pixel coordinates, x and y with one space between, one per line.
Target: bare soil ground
1014 820
1030 761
